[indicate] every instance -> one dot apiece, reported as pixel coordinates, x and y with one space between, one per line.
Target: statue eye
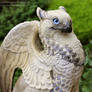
56 21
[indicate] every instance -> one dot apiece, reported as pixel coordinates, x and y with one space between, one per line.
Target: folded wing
15 50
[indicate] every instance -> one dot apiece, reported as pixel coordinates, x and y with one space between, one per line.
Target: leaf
85 89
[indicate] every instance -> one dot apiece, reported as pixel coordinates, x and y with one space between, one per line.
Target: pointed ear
62 8
41 13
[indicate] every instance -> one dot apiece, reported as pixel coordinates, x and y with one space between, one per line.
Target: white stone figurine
48 52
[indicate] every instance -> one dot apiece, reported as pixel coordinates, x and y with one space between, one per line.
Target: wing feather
17 39
15 52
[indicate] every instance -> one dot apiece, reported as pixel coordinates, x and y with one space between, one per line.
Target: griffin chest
63 66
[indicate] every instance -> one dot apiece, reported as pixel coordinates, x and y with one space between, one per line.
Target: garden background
12 14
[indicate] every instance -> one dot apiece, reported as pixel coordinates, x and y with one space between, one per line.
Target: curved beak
66 28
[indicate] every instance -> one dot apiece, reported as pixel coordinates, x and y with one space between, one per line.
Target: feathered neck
51 46
58 41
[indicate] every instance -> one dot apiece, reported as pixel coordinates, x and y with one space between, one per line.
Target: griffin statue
48 52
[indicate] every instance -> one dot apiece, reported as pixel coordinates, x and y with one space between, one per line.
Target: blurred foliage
81 13
0 42
86 79
13 15
16 75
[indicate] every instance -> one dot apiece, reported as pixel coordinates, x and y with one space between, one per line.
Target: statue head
54 21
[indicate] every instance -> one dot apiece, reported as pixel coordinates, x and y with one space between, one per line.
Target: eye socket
56 21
